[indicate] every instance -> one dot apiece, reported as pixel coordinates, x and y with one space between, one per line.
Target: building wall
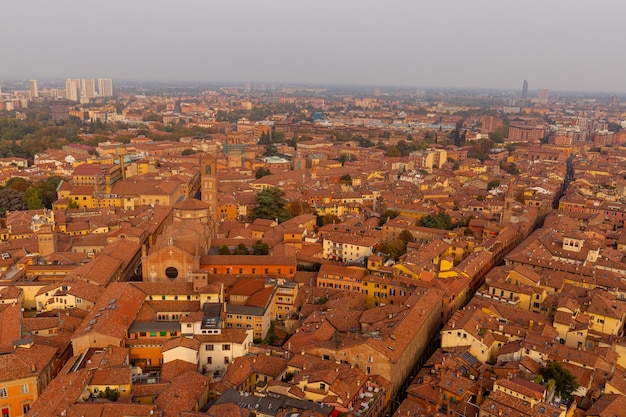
182 353
20 395
259 324
93 340
218 354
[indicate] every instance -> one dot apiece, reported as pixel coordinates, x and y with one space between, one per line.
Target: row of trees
259 248
21 194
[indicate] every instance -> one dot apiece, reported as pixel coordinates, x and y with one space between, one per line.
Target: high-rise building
525 89
105 87
87 89
72 89
34 88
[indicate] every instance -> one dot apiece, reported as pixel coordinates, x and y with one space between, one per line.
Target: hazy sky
554 44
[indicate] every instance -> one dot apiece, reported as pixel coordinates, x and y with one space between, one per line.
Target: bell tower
208 191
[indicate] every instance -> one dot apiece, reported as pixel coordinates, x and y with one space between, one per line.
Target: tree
614 127
18 183
387 215
346 157
480 149
440 221
260 248
33 198
346 179
270 150
111 394
493 184
272 205
241 249
395 249
265 139
261 172
500 133
12 200
564 382
392 151
224 250
406 236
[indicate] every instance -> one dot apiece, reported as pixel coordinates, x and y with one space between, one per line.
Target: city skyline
348 43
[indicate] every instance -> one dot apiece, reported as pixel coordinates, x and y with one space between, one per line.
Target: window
5 412
24 388
25 408
208 347
225 347
226 360
209 360
322 386
3 393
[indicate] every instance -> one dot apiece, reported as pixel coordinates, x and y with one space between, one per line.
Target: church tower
208 167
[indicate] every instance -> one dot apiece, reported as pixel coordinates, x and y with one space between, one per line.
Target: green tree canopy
33 197
272 205
260 248
387 215
261 172
493 184
18 183
224 250
440 221
500 133
11 199
395 249
270 150
241 249
564 382
406 236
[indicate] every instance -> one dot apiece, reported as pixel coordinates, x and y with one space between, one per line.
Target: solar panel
467 357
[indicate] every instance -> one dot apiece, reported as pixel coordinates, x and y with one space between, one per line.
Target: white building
72 89
105 87
348 247
34 88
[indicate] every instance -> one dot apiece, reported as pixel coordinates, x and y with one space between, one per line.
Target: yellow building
606 314
113 379
27 367
145 341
